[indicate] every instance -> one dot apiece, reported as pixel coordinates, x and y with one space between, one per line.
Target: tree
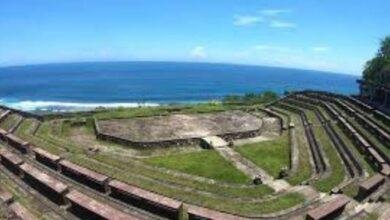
250 98
377 70
232 99
269 96
384 50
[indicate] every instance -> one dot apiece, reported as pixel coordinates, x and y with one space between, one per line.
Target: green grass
304 167
340 132
250 208
336 167
133 166
133 171
244 206
272 156
150 172
205 163
371 216
26 200
360 157
366 132
312 117
370 136
9 122
369 115
351 190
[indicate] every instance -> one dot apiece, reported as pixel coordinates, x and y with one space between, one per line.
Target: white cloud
321 49
290 56
274 12
269 17
271 48
198 52
281 24
246 20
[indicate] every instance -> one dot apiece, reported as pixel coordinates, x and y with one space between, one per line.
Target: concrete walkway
214 141
294 149
245 165
252 140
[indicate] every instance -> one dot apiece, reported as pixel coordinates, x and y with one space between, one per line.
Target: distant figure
257 180
283 172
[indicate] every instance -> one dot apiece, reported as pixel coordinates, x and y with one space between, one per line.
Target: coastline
65 107
85 86
58 106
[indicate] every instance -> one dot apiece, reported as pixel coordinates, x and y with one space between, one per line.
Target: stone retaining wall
23 113
174 142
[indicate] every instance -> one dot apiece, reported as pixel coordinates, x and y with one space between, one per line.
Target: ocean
83 86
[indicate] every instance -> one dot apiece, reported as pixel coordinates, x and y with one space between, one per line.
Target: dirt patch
180 126
87 139
271 127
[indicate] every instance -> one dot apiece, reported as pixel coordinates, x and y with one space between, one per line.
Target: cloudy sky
329 35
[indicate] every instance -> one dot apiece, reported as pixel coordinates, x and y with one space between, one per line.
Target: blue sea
79 86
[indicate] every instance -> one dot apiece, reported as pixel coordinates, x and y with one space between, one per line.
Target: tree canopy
250 98
377 70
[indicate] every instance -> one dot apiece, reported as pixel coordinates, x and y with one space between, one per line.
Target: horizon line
173 61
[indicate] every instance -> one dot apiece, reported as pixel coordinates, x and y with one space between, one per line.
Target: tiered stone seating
4 115
330 209
15 209
91 178
196 212
352 165
53 188
85 206
3 135
47 158
366 122
382 116
6 197
20 212
16 125
11 161
284 123
361 104
144 199
17 143
370 185
313 144
377 156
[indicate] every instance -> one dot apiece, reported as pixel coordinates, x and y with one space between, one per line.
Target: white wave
69 106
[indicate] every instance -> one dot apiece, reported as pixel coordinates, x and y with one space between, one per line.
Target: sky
329 35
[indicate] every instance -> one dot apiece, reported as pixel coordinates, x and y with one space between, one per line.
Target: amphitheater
179 127
308 155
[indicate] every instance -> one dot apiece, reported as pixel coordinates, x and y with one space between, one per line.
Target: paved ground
181 126
215 141
249 168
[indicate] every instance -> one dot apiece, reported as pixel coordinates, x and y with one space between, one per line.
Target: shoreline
49 107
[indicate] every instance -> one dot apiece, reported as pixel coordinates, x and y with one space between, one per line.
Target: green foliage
272 156
134 171
377 70
384 50
250 98
337 169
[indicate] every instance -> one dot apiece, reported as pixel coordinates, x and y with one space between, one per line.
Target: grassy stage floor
206 163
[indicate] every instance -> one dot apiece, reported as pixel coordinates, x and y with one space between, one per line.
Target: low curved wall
23 113
174 142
